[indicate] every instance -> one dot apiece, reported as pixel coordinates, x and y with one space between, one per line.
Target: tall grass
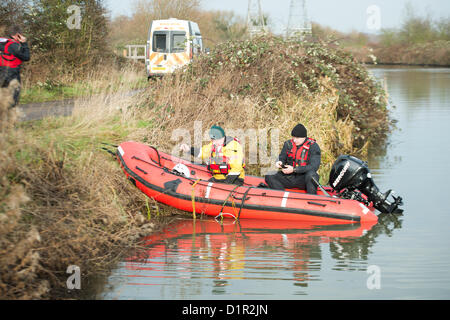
41 84
63 201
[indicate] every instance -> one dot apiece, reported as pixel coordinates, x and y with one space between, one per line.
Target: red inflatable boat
185 186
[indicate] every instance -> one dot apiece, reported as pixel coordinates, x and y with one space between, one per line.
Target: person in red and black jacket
299 161
13 52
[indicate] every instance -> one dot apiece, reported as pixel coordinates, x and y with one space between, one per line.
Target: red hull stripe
230 204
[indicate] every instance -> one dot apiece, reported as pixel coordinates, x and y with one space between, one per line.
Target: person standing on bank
13 52
299 161
224 157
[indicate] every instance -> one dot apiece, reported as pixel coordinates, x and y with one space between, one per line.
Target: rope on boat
159 157
232 204
108 150
244 197
225 213
193 198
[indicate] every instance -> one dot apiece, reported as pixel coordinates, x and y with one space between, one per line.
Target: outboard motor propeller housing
349 174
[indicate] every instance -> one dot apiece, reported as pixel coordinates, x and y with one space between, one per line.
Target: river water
401 257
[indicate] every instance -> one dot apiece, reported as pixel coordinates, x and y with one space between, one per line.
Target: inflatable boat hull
151 172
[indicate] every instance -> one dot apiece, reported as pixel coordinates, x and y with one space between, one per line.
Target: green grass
54 90
146 124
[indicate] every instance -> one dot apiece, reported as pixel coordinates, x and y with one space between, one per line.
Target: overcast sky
343 15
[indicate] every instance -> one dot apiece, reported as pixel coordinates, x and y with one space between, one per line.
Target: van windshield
178 41
160 43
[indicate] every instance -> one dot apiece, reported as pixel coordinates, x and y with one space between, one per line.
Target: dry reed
63 201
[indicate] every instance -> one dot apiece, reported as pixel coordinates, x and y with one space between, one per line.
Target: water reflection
204 258
413 163
346 252
418 100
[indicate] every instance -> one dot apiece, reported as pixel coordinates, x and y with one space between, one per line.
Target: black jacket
19 50
313 160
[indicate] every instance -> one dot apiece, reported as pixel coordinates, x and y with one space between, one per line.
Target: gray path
39 110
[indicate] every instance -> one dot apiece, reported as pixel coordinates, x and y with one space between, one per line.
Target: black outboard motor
352 175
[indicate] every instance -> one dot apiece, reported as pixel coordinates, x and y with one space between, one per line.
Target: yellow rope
232 204
234 207
193 198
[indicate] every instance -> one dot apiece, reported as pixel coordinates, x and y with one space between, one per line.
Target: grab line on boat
221 214
193 197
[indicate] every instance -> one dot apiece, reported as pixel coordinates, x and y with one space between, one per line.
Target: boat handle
317 204
237 198
142 170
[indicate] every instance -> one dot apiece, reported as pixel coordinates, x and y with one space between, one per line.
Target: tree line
61 47
416 29
56 44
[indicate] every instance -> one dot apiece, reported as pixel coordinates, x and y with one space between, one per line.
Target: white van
171 44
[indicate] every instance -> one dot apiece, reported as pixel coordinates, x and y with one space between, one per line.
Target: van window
195 29
197 43
178 42
160 43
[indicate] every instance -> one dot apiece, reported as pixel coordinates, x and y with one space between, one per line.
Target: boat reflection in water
207 259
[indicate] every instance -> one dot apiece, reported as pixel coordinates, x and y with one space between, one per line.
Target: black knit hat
299 131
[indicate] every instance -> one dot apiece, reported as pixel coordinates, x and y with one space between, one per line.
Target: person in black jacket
13 52
299 161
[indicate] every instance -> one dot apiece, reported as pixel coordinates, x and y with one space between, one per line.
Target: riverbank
64 201
429 54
